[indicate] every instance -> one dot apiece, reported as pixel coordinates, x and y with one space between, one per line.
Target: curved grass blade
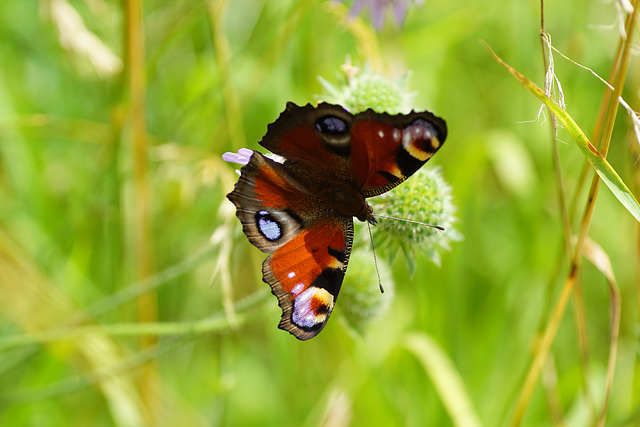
600 259
599 163
445 378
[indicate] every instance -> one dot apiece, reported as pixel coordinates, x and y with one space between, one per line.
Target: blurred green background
111 184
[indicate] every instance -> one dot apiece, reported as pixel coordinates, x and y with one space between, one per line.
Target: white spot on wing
276 158
407 139
291 275
381 133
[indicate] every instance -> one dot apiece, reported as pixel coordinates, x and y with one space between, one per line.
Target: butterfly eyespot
268 226
332 125
420 139
311 307
419 130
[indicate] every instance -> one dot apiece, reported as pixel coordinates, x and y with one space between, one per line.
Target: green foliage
364 89
129 295
425 198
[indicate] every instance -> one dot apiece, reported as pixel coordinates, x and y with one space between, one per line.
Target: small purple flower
400 9
241 157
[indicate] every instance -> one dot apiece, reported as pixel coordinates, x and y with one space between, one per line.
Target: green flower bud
363 89
426 198
361 301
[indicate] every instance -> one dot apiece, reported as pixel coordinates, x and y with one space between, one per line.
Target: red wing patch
271 188
374 148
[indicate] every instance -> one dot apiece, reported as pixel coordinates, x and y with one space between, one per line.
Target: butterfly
299 208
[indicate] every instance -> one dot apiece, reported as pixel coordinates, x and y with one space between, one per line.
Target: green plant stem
635 390
599 162
214 323
605 142
141 239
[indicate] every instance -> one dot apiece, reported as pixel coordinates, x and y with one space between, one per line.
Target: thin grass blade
599 163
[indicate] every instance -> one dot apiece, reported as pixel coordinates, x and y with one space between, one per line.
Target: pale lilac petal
400 11
245 152
379 7
377 13
355 8
229 157
242 157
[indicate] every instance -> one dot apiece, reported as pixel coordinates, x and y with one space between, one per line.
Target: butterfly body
300 211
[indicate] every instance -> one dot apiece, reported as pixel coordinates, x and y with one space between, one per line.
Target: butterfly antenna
375 259
439 227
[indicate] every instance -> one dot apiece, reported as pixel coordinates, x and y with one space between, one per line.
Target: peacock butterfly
300 210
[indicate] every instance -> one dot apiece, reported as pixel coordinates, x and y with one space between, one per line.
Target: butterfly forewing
386 149
318 137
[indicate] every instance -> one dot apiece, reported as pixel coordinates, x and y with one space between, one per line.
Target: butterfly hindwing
306 274
308 248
